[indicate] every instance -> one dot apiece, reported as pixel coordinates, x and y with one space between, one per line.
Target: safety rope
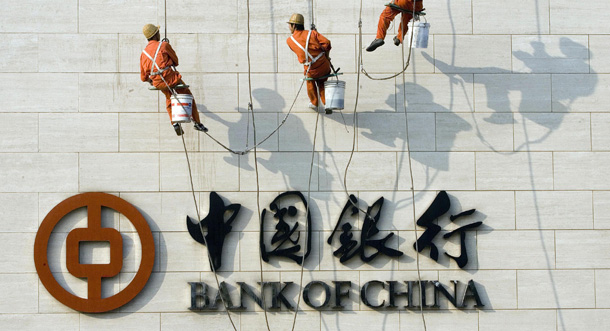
188 162
173 92
305 248
258 199
313 26
351 155
408 149
249 149
404 98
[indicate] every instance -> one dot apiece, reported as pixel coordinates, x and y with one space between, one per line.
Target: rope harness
154 64
305 49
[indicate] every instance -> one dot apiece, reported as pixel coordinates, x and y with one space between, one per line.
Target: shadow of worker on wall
535 107
422 140
534 99
293 167
240 133
573 52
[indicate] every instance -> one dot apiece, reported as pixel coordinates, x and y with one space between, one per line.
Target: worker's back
165 59
317 44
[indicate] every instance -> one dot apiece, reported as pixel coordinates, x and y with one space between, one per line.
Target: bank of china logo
94 232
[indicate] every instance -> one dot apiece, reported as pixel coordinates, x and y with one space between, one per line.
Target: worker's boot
376 43
200 127
396 41
311 106
328 111
178 129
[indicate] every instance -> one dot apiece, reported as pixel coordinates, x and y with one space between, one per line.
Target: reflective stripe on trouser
168 103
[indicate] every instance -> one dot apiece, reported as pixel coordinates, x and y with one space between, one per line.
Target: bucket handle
334 71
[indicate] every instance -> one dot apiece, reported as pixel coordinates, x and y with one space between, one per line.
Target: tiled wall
507 110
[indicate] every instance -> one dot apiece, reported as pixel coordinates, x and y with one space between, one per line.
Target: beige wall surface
507 110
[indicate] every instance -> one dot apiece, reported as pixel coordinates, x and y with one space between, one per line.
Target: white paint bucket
422 30
334 91
182 108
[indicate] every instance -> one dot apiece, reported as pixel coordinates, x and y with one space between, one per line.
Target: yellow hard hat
149 30
297 19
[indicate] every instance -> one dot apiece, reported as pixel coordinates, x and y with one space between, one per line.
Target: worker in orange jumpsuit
317 60
388 15
165 60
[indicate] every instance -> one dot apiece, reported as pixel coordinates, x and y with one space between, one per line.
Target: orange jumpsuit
317 44
388 14
165 58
